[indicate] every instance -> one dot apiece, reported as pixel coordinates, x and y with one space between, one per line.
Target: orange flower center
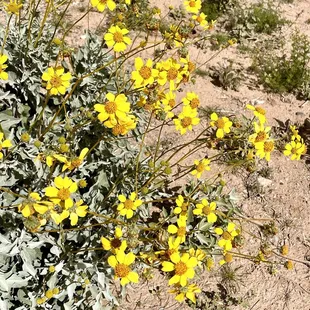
200 167
118 129
220 123
261 136
294 150
199 19
103 1
181 231
56 81
116 243
184 206
128 204
186 121
227 236
191 66
118 37
206 210
260 110
192 4
171 103
145 72
180 268
76 162
194 103
122 270
110 107
63 194
172 74
268 146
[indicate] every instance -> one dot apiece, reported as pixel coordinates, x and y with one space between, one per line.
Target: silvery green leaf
71 290
203 239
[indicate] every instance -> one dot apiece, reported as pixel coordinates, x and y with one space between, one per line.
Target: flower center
180 268
145 72
268 146
192 4
260 110
186 121
56 81
63 194
199 19
227 236
122 270
200 167
103 1
184 206
194 103
181 231
294 150
206 210
220 123
261 136
110 107
128 204
191 66
116 243
118 129
172 74
118 37
76 162
171 103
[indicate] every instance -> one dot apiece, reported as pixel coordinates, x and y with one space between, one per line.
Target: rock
264 182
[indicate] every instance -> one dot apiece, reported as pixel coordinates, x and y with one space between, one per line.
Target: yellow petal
112 261
51 191
106 244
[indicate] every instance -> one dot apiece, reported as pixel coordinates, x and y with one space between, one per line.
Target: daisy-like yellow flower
261 133
259 112
189 66
188 292
201 20
128 205
3 75
102 4
186 119
116 38
57 81
199 254
13 7
206 209
76 161
222 124
169 73
122 126
4 144
145 73
173 247
34 204
180 230
200 167
183 267
78 210
192 6
263 149
115 107
294 149
121 263
295 132
114 244
191 100
227 236
61 193
169 102
182 206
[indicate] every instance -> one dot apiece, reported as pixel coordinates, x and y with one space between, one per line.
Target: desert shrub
86 200
285 71
215 8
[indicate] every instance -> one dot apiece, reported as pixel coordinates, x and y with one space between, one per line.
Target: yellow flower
182 206
61 193
57 80
115 107
261 133
102 4
189 66
78 210
209 263
75 162
183 267
169 72
13 7
116 38
145 73
34 204
295 135
228 258
200 167
128 205
222 124
201 20
259 112
4 144
180 230
294 148
206 209
3 74
169 103
191 100
122 126
186 292
263 149
186 119
51 269
121 262
114 244
192 6
227 236
198 253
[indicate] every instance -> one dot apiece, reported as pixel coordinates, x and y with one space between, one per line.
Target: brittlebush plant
86 200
